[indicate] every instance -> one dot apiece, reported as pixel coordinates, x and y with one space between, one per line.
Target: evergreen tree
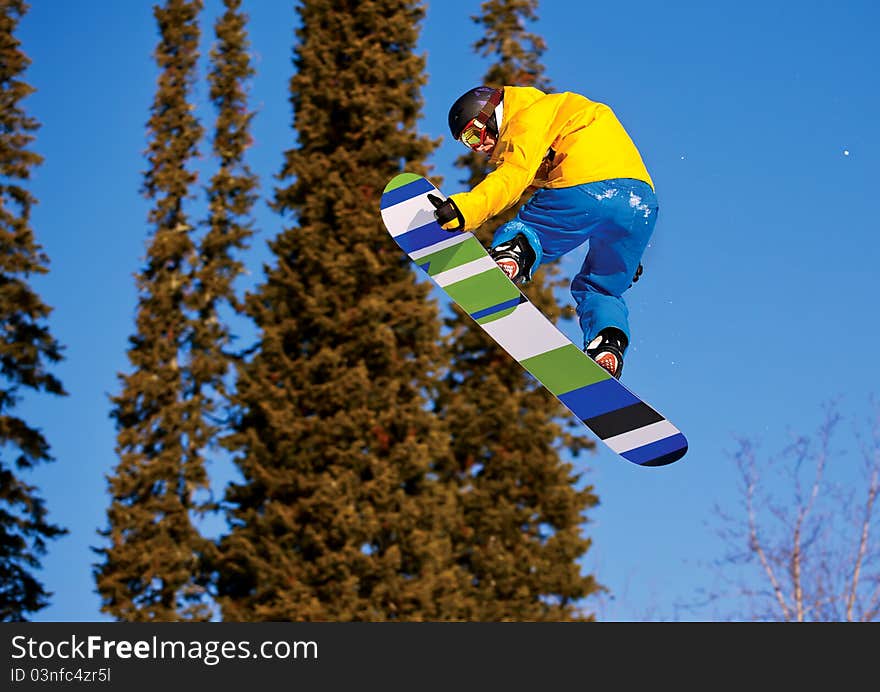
339 515
150 571
231 197
27 347
232 193
522 508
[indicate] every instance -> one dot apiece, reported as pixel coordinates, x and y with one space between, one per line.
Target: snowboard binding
607 350
515 257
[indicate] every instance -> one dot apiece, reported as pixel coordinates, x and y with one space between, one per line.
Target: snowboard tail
459 264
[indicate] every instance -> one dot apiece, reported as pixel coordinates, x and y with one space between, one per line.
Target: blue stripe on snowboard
423 236
405 192
506 305
658 453
596 399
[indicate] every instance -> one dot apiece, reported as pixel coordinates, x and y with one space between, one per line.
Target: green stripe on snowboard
482 291
401 180
564 369
453 256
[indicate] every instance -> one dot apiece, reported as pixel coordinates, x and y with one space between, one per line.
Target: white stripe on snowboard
525 333
465 271
455 238
409 214
641 436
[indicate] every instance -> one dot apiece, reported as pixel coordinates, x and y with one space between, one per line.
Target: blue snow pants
616 216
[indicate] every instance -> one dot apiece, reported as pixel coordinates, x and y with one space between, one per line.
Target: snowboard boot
607 350
515 257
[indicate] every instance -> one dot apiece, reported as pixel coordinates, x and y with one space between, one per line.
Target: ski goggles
474 134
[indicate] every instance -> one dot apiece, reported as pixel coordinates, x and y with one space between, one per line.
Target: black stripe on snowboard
623 420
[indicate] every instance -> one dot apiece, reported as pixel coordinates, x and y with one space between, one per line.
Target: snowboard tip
400 180
668 458
661 452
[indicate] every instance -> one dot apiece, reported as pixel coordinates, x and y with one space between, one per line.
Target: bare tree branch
871 454
800 547
746 460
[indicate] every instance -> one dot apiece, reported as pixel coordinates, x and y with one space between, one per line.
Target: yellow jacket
588 143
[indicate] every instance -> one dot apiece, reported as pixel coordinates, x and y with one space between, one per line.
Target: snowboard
459 264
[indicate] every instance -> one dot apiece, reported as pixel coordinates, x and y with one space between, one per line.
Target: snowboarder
589 183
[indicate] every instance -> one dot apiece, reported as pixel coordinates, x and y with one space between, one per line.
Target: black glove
446 212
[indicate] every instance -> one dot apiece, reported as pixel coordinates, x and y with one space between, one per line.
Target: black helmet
468 106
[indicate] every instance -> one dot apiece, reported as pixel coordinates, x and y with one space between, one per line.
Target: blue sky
757 121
